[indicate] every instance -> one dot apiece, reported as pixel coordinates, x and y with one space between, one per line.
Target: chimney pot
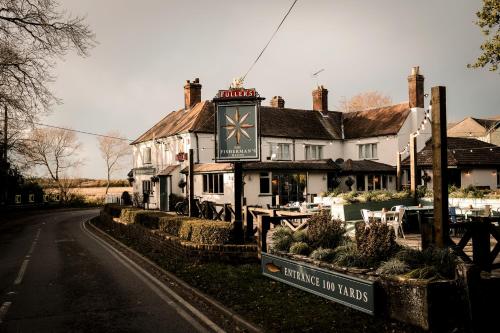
192 93
320 99
278 102
416 88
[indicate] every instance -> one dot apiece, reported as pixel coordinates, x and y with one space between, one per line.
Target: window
265 183
360 182
146 155
146 186
368 151
314 152
213 183
279 151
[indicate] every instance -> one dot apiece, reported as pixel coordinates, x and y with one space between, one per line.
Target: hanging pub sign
237 125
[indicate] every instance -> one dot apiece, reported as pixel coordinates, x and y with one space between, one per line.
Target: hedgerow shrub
128 215
171 224
146 218
377 242
323 254
210 232
300 248
324 232
282 239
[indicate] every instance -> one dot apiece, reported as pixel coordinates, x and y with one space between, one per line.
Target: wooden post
191 183
248 223
398 171
238 186
413 165
440 166
263 225
481 243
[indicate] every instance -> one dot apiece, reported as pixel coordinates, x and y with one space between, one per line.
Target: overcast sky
147 49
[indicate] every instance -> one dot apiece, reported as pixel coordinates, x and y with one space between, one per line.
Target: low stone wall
437 305
174 247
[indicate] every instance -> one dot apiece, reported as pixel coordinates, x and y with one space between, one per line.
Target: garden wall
465 202
352 211
174 247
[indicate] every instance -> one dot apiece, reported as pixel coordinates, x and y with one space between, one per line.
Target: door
164 192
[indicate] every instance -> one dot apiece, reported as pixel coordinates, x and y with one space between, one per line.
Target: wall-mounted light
494 173
467 173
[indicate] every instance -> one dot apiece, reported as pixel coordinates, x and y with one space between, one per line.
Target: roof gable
375 122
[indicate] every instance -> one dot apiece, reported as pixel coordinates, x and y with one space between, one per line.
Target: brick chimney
416 88
192 93
278 102
320 99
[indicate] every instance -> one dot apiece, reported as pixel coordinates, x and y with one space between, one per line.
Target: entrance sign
237 125
341 288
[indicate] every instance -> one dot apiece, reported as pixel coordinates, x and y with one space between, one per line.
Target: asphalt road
55 276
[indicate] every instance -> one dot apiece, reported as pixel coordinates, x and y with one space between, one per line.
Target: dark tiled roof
210 167
311 165
350 166
289 123
375 122
168 170
460 154
487 123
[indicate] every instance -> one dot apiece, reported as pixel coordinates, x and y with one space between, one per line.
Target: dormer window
146 155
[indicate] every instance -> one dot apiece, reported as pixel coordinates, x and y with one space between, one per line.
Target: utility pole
4 165
440 166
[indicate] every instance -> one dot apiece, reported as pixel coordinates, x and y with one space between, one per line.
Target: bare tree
56 151
113 151
364 101
33 34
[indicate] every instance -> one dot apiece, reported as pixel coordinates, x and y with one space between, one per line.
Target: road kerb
234 316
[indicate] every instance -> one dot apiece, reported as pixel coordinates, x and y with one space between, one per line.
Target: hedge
196 230
145 218
115 209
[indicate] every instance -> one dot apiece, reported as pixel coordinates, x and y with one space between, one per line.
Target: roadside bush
173 199
113 209
323 254
377 242
300 248
393 266
146 218
282 239
348 255
324 232
210 232
126 198
171 224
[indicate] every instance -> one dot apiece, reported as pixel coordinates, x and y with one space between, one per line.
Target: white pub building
303 152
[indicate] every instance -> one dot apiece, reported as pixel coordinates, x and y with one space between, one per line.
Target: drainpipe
197 148
293 147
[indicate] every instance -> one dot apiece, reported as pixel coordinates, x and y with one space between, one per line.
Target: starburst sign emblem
237 126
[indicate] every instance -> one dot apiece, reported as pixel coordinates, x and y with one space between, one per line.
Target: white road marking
20 275
157 286
3 310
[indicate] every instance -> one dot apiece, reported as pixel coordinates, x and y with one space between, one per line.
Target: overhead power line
74 130
270 39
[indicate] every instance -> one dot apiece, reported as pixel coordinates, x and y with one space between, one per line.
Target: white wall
226 197
480 177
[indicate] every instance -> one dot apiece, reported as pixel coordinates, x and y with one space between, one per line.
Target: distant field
98 192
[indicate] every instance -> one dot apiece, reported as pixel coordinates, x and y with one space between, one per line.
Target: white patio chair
397 222
365 213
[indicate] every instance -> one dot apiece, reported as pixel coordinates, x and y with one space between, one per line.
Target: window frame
278 148
262 177
313 152
213 183
364 148
146 152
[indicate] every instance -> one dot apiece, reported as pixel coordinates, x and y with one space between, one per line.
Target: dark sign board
237 125
341 288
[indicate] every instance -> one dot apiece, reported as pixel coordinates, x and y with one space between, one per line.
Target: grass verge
272 305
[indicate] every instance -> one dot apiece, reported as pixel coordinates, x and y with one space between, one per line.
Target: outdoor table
418 211
471 212
383 215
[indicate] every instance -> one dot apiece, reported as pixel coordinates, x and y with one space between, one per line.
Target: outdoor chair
397 222
456 220
365 213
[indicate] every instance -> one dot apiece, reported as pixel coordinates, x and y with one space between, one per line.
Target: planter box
432 305
349 212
